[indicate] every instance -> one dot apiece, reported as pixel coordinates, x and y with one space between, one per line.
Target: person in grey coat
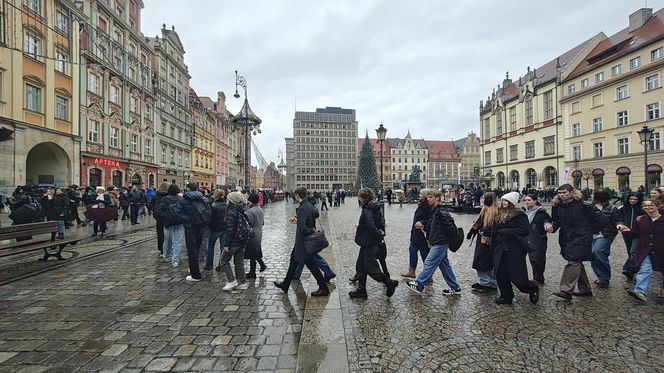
254 250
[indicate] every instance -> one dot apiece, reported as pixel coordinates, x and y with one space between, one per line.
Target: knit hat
512 197
100 189
253 198
236 198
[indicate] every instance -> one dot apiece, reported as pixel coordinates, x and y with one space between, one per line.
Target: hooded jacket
440 226
170 202
136 196
218 217
368 228
423 215
232 220
629 212
505 236
575 236
188 206
153 205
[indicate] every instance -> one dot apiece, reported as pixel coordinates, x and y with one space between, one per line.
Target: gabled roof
621 43
174 37
394 143
441 151
375 146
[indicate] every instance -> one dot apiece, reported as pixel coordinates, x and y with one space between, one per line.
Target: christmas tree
367 175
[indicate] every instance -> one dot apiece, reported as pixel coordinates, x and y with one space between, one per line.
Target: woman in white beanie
509 258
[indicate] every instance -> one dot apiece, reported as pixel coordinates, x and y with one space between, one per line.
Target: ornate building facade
468 150
406 155
443 164
203 150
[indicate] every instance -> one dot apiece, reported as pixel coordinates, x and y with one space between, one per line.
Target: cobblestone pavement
125 310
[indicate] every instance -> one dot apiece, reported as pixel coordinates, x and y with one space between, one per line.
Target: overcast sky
419 65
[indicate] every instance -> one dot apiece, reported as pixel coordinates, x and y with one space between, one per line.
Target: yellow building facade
203 151
38 92
610 96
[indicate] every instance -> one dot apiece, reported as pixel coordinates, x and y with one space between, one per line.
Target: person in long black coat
254 249
509 256
629 212
483 255
305 220
57 209
539 221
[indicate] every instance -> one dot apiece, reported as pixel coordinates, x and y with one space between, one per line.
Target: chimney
639 18
221 102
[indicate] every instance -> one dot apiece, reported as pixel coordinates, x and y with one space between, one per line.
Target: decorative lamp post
381 132
644 135
238 159
250 122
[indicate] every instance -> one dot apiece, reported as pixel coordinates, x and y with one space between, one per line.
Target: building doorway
48 163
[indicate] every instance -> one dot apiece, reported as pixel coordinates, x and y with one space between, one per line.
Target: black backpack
201 213
243 230
456 240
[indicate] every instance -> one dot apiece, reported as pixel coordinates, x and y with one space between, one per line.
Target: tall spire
408 134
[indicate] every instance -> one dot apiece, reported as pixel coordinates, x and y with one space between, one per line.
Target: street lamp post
381 131
644 135
238 159
249 120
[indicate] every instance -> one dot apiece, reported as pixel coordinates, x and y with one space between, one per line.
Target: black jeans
99 226
160 235
629 266
134 212
252 265
311 265
367 264
193 237
512 269
538 261
125 212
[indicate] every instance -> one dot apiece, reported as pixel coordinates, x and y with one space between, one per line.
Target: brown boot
409 273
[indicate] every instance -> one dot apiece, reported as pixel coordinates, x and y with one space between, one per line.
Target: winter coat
254 249
306 215
483 255
368 228
629 213
188 208
171 202
575 237
218 217
505 237
613 215
232 220
423 215
124 200
57 207
648 241
136 196
115 198
153 203
440 226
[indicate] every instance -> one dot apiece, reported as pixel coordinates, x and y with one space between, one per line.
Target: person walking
509 253
438 229
647 231
601 247
483 255
539 221
369 233
136 199
124 203
629 212
57 209
305 220
254 250
569 214
197 217
418 242
170 210
323 199
233 245
102 201
158 217
217 228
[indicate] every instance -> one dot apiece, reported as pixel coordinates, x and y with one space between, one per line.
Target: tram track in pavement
73 255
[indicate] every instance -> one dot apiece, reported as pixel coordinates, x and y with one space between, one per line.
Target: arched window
551 176
514 179
95 177
531 178
501 179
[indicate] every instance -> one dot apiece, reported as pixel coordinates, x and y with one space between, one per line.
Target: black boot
391 287
354 278
249 275
358 293
282 285
321 292
61 236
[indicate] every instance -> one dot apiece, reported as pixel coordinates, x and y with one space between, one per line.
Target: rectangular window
652 111
652 82
32 45
530 149
584 83
576 107
513 119
499 122
133 106
597 100
487 129
548 105
93 130
616 70
487 157
93 83
656 54
599 77
114 94
179 158
622 92
598 149
163 155
635 62
148 147
549 145
623 146
34 5
514 152
576 129
61 108
597 124
62 22
499 155
622 119
576 152
134 142
32 98
61 61
115 137
529 110
654 141
571 89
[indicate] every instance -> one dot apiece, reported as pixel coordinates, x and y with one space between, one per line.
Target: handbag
315 242
381 250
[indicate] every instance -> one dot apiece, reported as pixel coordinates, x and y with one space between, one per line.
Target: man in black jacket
305 219
136 199
417 240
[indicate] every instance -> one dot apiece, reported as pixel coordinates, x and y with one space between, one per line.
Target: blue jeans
643 276
320 263
600 261
412 250
61 227
173 237
437 258
212 240
487 278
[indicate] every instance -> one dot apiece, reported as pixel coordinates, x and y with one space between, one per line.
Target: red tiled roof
441 151
621 43
375 145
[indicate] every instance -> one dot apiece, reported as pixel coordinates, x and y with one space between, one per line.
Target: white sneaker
244 286
230 286
175 264
189 278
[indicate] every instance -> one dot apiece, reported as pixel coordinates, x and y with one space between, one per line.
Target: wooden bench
51 245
